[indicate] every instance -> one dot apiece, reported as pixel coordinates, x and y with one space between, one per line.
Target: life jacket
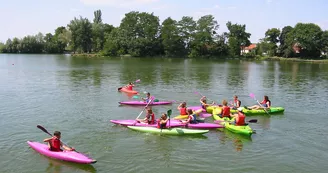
183 111
130 87
192 119
159 124
151 118
264 103
235 103
55 144
240 121
225 111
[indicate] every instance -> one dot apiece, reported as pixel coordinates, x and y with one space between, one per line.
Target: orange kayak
128 91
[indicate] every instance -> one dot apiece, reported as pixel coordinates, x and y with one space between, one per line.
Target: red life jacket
225 111
183 111
240 121
151 118
55 144
130 87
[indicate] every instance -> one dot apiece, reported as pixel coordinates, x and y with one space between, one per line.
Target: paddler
192 116
150 117
147 99
162 121
183 108
266 104
225 110
236 103
203 102
54 143
240 117
129 86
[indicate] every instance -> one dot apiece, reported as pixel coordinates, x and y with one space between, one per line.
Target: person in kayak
161 124
150 117
148 98
203 102
225 110
236 103
129 86
265 104
54 143
240 117
183 108
192 116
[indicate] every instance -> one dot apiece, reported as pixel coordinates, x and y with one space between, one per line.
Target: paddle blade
118 89
253 121
169 113
43 129
135 97
252 95
137 80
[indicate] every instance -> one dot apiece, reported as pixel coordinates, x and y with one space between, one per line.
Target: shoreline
261 58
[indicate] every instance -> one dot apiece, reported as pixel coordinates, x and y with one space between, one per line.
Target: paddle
46 131
138 80
197 93
250 121
253 97
150 100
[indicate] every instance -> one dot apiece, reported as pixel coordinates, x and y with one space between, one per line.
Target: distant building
247 49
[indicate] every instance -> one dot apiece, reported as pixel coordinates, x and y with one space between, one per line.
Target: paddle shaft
144 108
261 105
46 131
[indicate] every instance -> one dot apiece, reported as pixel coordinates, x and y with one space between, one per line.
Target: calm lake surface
78 96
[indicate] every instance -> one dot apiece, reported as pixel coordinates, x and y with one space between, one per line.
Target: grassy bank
293 59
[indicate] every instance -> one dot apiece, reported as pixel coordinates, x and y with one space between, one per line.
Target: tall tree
172 41
272 37
81 30
284 49
325 42
238 37
187 28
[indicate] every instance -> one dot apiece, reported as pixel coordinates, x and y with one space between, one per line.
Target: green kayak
171 131
248 112
228 124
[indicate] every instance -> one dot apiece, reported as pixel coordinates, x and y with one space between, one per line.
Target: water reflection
57 166
238 141
236 74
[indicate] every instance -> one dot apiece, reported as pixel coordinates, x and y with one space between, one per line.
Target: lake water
78 96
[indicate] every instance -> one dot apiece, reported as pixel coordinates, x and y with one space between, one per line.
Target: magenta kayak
142 103
173 123
70 156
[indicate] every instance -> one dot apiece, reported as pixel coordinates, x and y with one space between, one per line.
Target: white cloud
118 3
269 1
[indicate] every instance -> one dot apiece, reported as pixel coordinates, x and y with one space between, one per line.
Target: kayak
128 91
173 123
209 109
142 103
182 117
228 124
70 156
194 108
171 131
272 110
204 126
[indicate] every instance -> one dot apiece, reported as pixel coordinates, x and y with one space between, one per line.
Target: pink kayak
142 103
173 123
70 156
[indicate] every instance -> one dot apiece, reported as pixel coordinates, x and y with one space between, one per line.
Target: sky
29 17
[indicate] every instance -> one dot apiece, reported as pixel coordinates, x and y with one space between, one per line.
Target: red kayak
128 91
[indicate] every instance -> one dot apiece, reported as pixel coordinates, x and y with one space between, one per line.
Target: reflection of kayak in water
70 156
63 166
170 131
127 90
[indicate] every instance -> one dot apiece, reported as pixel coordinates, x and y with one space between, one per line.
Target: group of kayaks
174 127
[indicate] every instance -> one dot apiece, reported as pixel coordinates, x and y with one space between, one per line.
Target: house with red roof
247 49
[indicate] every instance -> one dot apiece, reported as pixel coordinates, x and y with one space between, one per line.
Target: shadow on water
237 139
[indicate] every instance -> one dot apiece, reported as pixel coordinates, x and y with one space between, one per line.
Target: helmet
240 109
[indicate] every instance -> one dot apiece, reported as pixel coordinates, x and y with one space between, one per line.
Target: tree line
141 34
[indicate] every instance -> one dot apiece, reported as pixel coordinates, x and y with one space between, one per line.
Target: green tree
187 28
238 37
272 38
284 49
309 37
2 47
172 42
203 43
81 34
325 42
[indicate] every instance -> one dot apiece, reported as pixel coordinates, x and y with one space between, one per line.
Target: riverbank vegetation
141 34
